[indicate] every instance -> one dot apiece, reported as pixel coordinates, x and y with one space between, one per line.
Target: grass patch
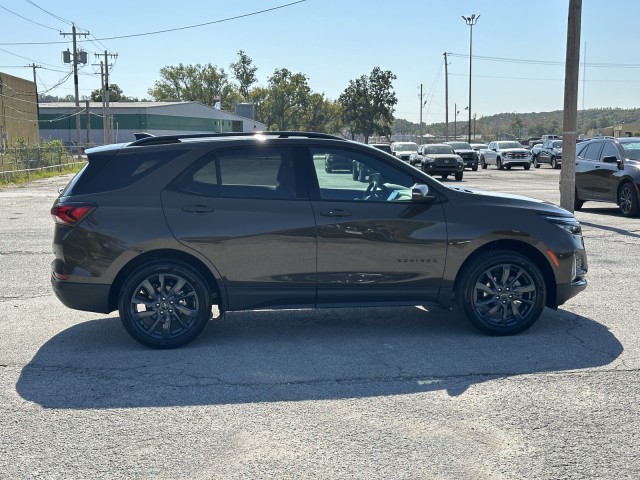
17 178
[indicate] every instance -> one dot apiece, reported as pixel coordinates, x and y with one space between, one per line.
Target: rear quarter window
104 174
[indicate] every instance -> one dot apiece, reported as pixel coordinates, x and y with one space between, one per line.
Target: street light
471 21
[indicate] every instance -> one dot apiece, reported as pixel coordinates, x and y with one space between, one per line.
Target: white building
58 120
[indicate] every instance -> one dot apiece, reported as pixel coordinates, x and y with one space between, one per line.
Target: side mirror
420 193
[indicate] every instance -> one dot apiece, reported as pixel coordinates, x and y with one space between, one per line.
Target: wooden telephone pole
570 119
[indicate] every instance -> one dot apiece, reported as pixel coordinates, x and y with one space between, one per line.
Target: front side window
609 150
591 152
362 178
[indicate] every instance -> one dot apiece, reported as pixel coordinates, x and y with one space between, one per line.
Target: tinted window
394 184
107 173
592 152
609 150
243 173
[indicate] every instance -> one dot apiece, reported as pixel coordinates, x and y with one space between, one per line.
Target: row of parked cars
607 168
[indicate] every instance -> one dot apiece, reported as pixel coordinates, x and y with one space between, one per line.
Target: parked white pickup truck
506 154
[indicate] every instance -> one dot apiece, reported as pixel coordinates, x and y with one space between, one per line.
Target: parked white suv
404 150
506 154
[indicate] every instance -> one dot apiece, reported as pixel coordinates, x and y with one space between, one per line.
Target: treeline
526 125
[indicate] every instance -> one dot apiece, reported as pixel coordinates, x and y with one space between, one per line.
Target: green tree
286 101
245 73
368 104
206 84
115 95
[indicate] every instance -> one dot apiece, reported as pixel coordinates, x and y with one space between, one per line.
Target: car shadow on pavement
300 355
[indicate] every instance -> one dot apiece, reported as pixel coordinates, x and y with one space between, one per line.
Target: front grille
445 162
517 155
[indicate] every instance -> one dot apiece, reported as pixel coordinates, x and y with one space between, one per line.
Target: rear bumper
90 297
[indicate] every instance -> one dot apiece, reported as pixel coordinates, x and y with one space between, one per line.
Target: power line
28 19
68 22
166 30
544 62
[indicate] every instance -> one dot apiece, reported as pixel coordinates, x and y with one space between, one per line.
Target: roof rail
166 139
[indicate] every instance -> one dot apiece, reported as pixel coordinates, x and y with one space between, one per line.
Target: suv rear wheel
502 292
164 304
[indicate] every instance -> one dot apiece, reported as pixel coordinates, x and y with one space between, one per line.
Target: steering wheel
375 191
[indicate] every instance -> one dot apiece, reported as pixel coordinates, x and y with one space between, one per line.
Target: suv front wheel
164 304
628 201
502 292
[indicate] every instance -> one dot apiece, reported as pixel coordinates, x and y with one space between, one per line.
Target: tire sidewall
172 267
473 271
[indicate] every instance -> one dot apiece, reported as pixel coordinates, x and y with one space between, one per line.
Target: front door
375 245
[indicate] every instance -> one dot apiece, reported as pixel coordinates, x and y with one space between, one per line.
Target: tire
459 176
483 164
535 162
164 304
502 292
444 176
474 168
554 163
527 166
508 167
628 200
577 203
499 165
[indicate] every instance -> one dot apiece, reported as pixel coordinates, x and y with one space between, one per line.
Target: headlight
569 224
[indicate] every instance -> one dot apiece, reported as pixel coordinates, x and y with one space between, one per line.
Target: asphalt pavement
342 393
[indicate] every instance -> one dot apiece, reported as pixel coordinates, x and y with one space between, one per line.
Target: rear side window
104 174
267 173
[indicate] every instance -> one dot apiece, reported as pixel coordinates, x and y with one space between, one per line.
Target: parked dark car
333 162
550 153
440 159
469 156
608 170
385 147
164 228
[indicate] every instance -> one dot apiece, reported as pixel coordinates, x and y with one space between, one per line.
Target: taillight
71 213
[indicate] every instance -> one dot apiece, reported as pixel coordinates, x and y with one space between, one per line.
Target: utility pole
35 82
421 105
76 60
446 97
570 118
105 95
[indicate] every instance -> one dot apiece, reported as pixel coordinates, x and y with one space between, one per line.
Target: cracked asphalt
345 393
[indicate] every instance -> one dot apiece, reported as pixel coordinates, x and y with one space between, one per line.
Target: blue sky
519 47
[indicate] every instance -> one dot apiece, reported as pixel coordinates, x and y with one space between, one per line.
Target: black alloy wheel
628 200
164 304
502 292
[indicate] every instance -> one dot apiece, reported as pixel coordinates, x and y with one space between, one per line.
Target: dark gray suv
164 228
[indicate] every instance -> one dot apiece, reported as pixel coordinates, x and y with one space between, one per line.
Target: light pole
471 21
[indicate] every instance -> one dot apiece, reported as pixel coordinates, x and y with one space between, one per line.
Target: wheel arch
522 248
166 255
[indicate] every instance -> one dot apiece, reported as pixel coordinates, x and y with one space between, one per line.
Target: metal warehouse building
58 121
18 111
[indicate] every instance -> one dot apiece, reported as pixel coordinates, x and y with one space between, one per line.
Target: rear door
375 245
589 173
247 211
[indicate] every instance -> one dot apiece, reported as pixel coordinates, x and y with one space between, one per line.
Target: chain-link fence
23 161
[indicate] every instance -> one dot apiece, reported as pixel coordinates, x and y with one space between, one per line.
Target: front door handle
336 213
197 209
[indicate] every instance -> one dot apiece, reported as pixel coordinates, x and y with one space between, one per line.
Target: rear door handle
197 209
336 213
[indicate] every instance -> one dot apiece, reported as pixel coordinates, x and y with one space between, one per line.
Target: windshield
509 145
461 146
438 149
405 147
631 150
